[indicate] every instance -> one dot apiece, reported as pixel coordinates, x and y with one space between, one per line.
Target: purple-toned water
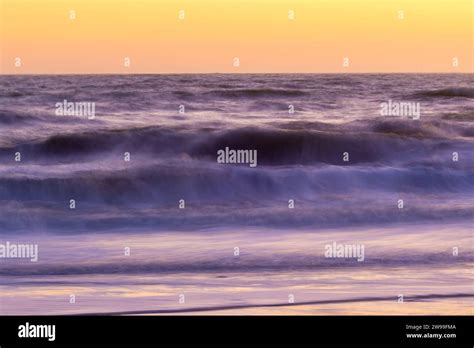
135 204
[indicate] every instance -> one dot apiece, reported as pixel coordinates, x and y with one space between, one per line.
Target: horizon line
243 73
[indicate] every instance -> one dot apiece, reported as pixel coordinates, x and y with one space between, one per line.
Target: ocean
133 213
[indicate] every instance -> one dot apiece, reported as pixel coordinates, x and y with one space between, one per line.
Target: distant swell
250 264
15 117
256 93
448 93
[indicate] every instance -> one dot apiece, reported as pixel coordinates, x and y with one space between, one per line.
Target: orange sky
214 32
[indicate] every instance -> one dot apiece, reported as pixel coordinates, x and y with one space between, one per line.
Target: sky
235 36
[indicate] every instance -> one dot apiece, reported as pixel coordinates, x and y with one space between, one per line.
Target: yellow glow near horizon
259 32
